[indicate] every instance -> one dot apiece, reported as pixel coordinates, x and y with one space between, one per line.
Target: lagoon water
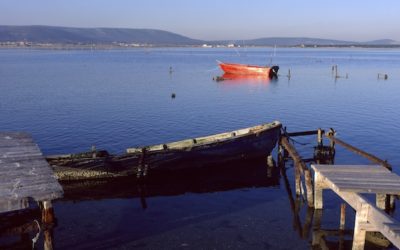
70 100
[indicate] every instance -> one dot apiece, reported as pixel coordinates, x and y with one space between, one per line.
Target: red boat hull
243 69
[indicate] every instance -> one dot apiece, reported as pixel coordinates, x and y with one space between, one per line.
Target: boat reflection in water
228 176
236 78
20 228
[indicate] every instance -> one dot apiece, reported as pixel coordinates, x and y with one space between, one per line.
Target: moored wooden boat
210 150
245 69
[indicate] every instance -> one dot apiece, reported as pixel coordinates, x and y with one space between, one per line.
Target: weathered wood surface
301 168
348 182
24 173
360 179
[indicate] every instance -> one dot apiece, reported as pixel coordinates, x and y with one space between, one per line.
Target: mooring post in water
319 137
48 221
47 212
336 72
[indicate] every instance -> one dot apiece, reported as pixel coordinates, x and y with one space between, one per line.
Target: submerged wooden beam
369 156
302 168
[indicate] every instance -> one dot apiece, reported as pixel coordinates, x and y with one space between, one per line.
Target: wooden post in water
342 216
47 212
319 138
48 221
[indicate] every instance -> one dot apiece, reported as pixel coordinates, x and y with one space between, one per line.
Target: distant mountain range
141 37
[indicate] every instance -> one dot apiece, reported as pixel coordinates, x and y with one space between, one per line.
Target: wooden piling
342 216
359 231
47 212
319 137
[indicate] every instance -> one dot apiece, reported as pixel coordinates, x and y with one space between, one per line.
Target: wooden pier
350 182
25 174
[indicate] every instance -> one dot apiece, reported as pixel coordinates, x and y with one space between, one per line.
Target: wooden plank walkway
350 182
24 173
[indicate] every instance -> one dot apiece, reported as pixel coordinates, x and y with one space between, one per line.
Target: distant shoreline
114 46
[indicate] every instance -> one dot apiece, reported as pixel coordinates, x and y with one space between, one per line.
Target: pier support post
392 202
381 201
342 216
359 231
318 187
309 188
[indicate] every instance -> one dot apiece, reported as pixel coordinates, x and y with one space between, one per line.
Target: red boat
244 69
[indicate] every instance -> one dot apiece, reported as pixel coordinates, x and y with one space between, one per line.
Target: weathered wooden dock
24 174
350 182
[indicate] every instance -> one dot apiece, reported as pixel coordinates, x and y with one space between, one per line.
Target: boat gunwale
243 65
206 140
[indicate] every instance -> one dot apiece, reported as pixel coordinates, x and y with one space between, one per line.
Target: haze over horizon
217 20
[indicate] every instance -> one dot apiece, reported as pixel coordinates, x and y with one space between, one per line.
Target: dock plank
24 172
350 168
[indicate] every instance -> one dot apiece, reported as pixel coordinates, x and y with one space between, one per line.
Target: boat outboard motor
273 73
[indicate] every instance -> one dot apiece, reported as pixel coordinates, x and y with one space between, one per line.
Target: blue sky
357 20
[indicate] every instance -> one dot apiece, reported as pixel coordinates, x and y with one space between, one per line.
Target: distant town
102 38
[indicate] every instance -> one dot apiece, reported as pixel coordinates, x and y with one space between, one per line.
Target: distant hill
37 34
383 42
292 41
50 34
307 41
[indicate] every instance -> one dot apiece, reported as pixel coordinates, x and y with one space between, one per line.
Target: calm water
114 99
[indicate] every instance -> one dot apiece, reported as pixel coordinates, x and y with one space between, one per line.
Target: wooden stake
342 216
318 184
47 212
319 138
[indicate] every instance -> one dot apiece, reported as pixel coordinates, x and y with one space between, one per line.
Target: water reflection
230 176
235 78
18 230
